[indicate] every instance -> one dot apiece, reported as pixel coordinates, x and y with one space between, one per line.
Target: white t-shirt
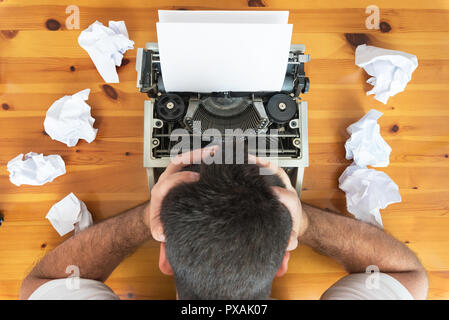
359 286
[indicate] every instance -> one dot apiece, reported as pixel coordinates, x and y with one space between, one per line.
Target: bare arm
357 245
96 251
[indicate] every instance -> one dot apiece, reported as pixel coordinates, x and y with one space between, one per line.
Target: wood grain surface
40 61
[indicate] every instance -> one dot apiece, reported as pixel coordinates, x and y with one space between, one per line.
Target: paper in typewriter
225 56
260 17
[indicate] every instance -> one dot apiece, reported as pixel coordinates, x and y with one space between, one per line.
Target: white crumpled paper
106 47
391 70
68 214
68 119
366 146
368 191
35 169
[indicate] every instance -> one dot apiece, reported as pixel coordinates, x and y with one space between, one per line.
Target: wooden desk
39 65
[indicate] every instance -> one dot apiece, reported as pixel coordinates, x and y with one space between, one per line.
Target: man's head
226 234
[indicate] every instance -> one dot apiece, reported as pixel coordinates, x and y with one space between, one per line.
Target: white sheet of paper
35 169
366 146
368 191
106 47
204 16
68 119
68 214
216 57
391 70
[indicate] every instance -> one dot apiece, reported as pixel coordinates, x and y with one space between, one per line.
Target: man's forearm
356 245
97 250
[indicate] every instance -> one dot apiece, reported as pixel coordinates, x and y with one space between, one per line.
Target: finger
187 158
290 200
158 232
165 185
271 167
195 156
292 242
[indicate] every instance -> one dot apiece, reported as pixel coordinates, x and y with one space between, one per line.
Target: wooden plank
331 20
37 43
51 70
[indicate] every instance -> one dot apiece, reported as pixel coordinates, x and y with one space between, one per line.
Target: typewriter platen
277 118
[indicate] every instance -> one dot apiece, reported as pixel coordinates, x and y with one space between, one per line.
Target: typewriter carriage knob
170 107
281 108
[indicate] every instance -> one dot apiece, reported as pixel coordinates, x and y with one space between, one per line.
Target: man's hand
171 177
289 198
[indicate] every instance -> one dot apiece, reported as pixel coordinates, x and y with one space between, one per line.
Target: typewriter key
170 107
281 108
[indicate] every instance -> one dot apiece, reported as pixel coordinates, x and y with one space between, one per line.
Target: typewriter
279 119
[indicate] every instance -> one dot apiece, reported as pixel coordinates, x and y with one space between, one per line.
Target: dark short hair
226 234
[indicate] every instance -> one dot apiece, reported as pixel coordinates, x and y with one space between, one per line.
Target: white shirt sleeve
366 286
60 290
